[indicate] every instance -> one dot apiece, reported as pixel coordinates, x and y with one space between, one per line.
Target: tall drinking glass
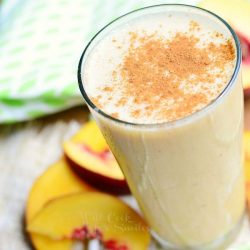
187 174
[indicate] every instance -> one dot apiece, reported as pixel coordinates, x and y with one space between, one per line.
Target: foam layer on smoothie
159 67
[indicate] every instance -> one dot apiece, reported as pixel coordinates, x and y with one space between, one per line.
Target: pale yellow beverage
164 85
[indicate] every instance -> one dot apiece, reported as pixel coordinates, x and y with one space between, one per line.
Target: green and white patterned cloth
40 45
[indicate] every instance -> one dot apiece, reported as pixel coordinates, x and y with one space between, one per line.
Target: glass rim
177 121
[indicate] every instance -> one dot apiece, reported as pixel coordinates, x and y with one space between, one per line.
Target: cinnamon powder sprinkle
194 26
168 79
96 101
107 89
115 115
135 113
122 101
153 71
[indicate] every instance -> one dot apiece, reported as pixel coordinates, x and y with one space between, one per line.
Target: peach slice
56 181
247 174
247 164
89 155
84 216
237 14
247 145
41 242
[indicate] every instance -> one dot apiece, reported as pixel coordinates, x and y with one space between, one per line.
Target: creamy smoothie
163 85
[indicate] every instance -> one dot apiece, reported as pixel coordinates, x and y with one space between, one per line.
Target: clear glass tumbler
186 175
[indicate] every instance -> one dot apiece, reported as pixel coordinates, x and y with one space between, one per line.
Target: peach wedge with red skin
247 145
92 215
236 13
247 174
90 157
58 180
